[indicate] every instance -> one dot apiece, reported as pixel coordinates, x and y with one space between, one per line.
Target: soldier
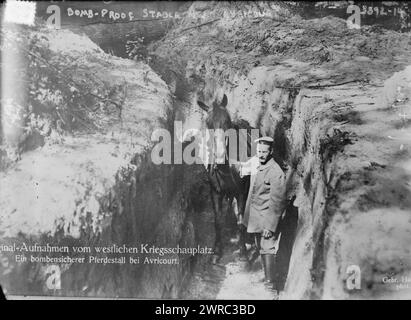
265 205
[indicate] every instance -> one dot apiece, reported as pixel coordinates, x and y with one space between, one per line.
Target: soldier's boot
269 271
264 277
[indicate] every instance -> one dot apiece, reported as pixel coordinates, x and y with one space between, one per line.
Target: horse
224 177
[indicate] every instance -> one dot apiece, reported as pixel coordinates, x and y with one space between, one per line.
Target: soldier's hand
267 234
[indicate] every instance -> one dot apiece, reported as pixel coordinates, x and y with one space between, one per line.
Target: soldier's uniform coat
266 197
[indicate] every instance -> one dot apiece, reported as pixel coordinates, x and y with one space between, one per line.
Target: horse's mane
241 124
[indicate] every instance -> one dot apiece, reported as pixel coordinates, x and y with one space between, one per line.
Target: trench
210 281
319 134
146 206
184 90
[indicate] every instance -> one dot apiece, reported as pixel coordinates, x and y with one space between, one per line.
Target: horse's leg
242 230
219 223
233 204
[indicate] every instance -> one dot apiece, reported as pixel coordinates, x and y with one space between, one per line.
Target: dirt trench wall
143 207
370 197
100 188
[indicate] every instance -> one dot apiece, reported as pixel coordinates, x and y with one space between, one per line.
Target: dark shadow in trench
288 227
2 296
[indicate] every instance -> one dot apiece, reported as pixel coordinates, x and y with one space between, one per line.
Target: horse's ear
225 101
203 105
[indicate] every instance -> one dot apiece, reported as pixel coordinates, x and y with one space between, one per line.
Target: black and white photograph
205 150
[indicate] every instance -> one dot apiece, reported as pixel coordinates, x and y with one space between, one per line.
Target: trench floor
229 278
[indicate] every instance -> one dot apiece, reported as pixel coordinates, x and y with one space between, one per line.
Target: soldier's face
263 152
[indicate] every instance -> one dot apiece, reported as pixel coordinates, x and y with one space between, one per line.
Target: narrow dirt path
242 284
228 279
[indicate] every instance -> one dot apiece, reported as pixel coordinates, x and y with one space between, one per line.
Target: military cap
264 140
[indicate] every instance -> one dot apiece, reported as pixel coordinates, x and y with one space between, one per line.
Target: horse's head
218 119
217 114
